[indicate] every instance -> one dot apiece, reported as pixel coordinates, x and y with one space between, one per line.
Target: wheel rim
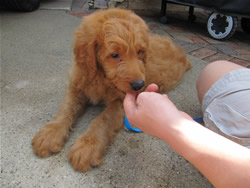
219 26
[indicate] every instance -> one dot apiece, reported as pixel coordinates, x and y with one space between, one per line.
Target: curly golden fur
114 54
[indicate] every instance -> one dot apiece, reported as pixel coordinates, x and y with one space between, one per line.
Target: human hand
152 112
156 115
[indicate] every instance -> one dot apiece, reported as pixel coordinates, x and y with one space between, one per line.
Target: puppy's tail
184 59
188 64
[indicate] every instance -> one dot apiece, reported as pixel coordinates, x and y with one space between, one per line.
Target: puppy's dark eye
115 56
140 52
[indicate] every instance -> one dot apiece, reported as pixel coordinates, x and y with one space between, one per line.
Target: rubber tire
245 25
22 5
229 30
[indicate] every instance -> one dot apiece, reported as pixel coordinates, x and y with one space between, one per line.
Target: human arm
223 162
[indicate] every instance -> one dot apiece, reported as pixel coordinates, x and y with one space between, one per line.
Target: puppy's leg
52 136
88 150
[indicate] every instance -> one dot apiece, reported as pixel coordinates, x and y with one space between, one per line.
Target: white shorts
226 107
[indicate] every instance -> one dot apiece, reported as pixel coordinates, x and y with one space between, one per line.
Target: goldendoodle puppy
114 54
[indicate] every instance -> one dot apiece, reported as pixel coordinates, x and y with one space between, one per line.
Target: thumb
129 104
152 88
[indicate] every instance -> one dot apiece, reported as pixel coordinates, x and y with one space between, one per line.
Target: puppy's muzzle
137 85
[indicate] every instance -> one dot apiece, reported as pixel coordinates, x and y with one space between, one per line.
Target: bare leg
211 73
53 135
88 150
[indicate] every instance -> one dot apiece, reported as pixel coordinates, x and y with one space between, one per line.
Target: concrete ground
36 53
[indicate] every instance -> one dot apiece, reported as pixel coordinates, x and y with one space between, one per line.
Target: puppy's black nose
137 84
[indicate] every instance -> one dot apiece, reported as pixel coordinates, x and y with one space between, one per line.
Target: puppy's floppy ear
84 50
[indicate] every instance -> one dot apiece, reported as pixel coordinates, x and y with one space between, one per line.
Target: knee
211 73
207 72
204 82
217 69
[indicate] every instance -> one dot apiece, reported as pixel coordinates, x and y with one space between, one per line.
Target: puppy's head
116 47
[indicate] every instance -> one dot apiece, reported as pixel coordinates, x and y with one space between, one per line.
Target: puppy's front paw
87 152
49 139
